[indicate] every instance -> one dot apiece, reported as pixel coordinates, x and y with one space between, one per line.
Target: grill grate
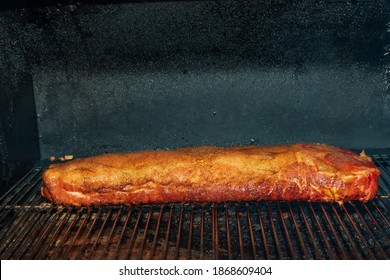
31 228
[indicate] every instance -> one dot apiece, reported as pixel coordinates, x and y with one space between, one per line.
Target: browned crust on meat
310 172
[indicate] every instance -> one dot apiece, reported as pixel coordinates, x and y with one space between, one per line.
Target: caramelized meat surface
310 172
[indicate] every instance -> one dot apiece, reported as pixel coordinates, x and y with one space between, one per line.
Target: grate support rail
32 228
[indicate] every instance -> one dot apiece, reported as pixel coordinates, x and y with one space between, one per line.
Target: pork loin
308 172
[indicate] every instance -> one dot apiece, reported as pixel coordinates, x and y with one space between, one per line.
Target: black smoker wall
131 76
19 146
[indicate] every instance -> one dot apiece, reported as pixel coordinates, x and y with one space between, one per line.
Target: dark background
130 75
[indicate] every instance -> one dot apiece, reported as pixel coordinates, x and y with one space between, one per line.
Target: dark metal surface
164 74
267 72
31 228
19 144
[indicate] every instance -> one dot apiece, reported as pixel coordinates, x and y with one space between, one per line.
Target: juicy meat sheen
310 172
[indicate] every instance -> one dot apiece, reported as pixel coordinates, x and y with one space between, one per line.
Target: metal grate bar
165 250
110 235
18 237
264 238
214 218
177 247
188 256
383 216
252 237
239 232
311 235
21 219
149 215
156 234
286 231
381 190
275 235
359 234
299 233
374 221
100 233
116 252
383 162
19 188
202 234
385 203
84 242
350 240
82 226
133 234
36 227
334 234
28 195
229 250
42 237
65 236
380 252
384 166
62 223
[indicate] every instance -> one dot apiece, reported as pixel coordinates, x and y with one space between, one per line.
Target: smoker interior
88 77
